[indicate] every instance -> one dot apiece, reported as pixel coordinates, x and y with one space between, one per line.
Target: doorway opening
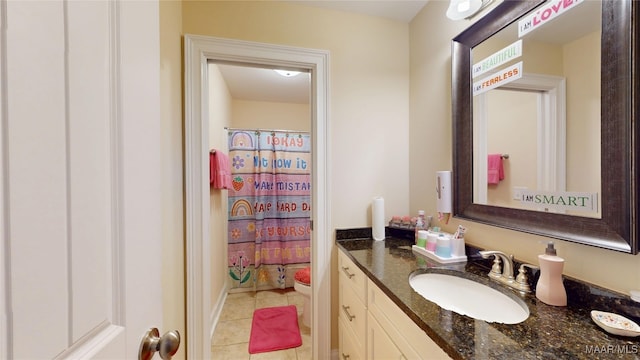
199 52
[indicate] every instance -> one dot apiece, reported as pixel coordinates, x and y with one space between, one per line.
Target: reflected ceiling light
465 9
287 73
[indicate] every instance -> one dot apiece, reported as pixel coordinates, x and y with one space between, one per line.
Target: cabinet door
380 344
412 341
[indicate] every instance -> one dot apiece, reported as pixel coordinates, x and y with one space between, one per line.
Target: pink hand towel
220 171
495 171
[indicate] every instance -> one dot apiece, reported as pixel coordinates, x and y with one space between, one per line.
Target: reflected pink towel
220 171
495 171
274 328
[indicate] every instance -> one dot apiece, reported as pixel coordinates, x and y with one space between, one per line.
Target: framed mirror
616 225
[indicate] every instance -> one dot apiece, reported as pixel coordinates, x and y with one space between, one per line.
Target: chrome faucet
505 274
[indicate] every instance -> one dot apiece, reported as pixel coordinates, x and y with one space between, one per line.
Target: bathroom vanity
371 325
381 316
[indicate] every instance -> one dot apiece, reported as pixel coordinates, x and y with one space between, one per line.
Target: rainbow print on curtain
269 207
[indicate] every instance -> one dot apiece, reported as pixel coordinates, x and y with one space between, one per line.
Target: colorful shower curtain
269 207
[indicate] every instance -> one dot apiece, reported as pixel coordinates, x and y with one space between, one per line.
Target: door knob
167 345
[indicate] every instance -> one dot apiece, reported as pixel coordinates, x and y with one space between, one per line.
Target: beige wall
173 285
583 114
369 84
430 102
271 115
220 114
431 33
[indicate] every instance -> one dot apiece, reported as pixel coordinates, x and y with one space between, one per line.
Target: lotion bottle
550 288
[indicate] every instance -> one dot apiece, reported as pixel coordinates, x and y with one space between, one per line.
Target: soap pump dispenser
550 288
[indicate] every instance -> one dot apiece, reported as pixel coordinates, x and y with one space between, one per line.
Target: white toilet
303 286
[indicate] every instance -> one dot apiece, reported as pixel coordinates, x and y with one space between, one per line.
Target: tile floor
231 336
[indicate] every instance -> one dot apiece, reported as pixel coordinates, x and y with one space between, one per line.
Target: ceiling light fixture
465 9
287 73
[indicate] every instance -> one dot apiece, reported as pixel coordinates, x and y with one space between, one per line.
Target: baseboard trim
216 311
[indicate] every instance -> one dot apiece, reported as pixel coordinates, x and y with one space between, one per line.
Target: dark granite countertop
549 333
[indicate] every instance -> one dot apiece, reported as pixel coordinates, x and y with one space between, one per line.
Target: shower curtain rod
268 130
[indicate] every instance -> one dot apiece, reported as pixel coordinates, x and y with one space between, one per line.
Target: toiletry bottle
422 238
550 288
443 246
432 240
420 225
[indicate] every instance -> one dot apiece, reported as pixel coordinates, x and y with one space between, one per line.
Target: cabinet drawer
352 275
349 347
353 311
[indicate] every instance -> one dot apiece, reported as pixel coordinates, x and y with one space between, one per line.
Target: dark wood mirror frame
618 227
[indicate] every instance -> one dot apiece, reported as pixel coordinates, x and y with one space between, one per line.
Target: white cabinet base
372 326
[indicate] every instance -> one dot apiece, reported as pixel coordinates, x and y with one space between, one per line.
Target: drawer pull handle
346 312
345 357
346 271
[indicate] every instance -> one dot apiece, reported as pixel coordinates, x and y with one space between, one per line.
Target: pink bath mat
274 328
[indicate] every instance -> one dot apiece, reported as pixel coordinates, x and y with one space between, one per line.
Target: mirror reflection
616 228
539 135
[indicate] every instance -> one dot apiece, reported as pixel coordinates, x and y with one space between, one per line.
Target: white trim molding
5 284
199 51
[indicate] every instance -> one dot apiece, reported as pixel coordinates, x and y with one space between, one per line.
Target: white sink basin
470 298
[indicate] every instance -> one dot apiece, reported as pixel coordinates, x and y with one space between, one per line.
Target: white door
80 216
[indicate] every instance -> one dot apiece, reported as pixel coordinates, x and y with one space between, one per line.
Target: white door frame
199 51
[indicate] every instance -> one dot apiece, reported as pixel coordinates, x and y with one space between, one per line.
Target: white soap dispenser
550 288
